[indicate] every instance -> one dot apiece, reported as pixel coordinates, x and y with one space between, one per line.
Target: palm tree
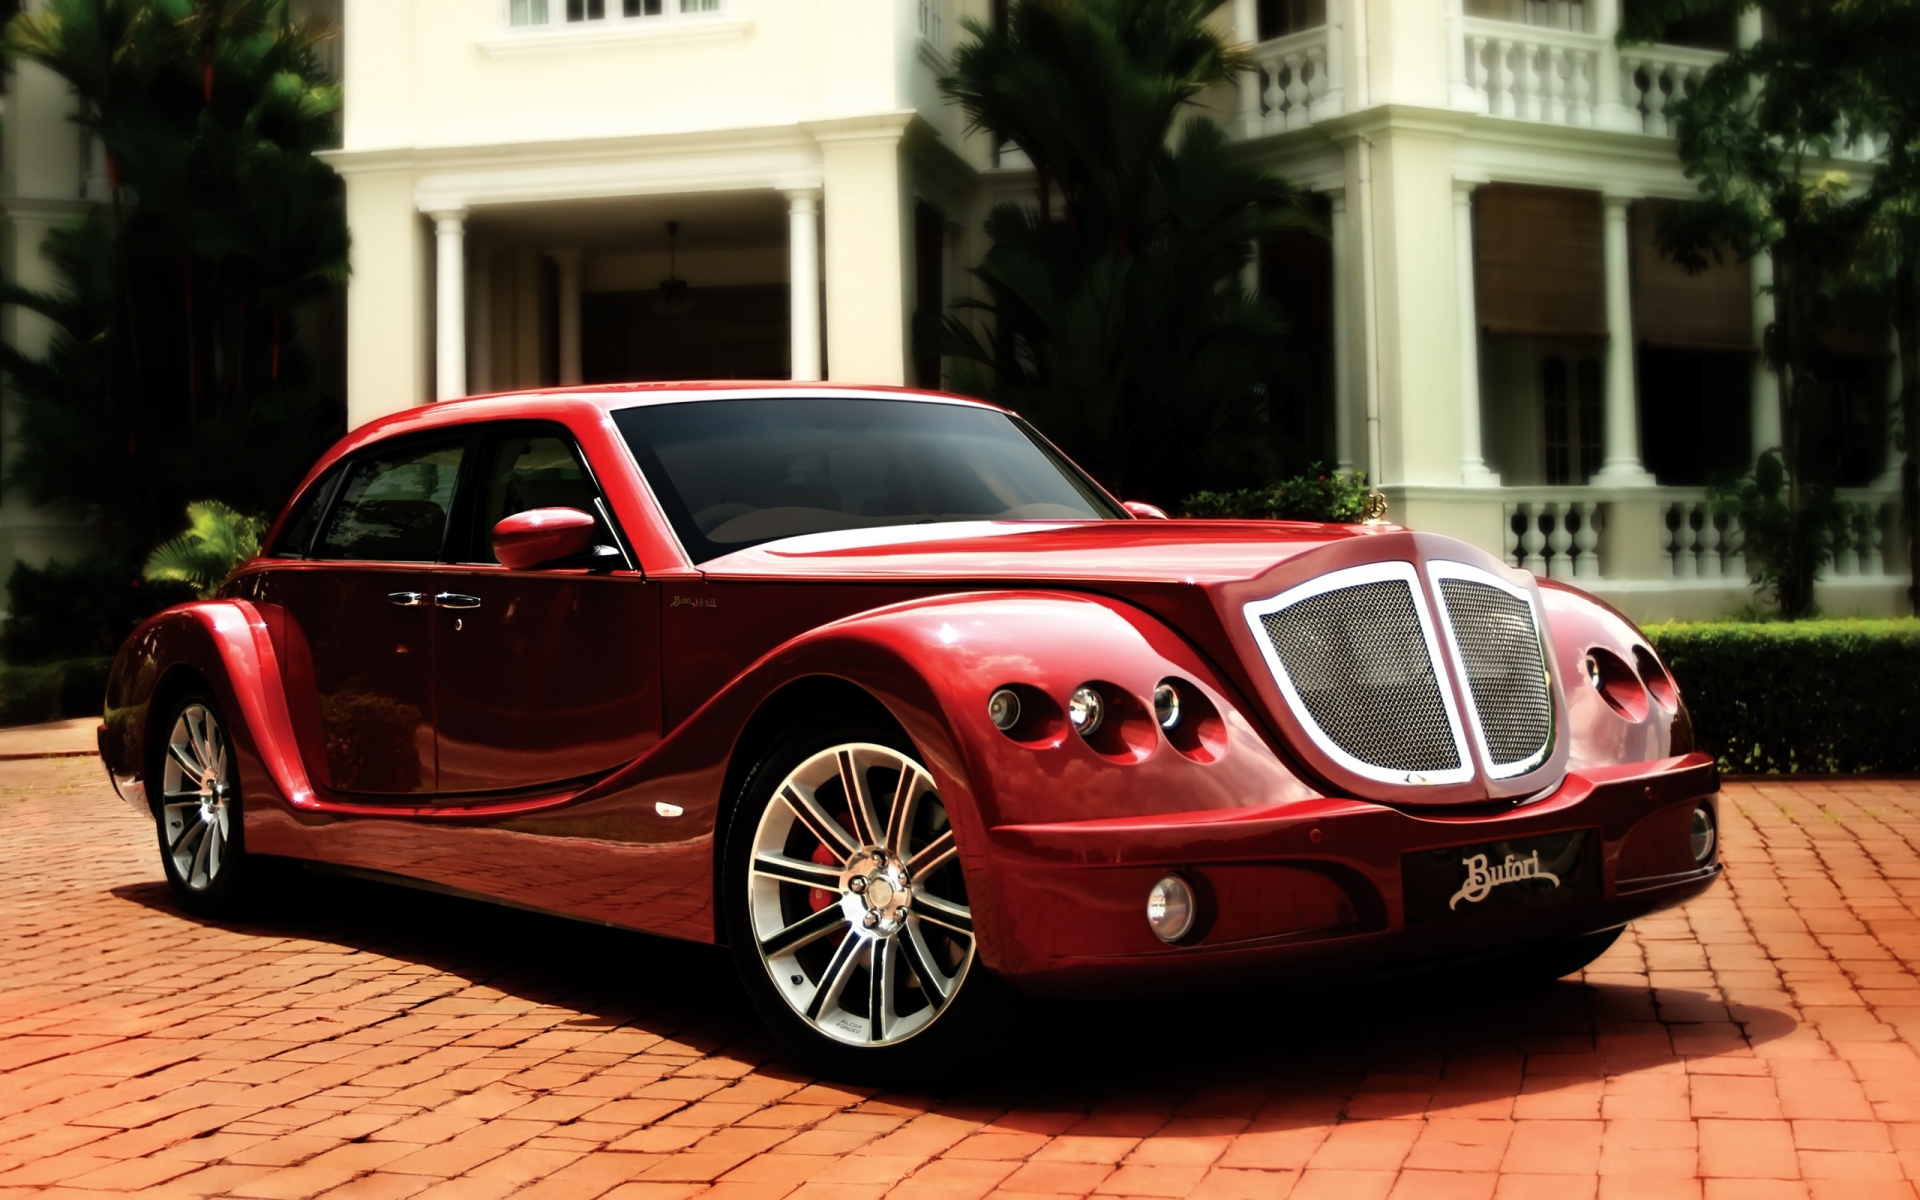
210 111
217 540
1117 325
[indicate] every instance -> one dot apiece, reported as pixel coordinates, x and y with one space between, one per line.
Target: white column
1246 28
480 369
1333 101
1473 464
568 262
450 304
1603 18
1341 231
1621 467
1460 91
803 272
1765 414
1890 473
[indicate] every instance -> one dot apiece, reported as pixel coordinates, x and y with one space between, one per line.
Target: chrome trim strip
1439 569
1377 572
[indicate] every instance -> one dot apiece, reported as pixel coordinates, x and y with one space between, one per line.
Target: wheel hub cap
876 893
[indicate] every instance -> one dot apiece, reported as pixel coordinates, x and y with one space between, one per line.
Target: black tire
812 976
1557 960
194 790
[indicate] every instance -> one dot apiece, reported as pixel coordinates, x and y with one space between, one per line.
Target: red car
879 690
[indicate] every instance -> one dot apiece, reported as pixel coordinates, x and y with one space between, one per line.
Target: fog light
1003 709
1166 705
1170 909
1085 711
1704 835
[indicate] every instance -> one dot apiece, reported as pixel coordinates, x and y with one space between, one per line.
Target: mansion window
559 12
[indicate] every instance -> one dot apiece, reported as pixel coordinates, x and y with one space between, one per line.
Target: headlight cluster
1088 709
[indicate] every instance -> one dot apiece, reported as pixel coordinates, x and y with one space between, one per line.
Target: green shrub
1319 495
53 692
79 609
1819 697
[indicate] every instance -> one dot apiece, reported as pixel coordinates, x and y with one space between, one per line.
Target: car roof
609 396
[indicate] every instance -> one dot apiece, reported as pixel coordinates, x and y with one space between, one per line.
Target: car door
358 618
544 676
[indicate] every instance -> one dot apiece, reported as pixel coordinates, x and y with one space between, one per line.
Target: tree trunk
1906 320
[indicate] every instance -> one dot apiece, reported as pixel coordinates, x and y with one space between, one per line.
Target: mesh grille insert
1501 650
1358 659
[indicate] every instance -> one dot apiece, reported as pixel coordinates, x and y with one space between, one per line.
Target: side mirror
1145 512
529 539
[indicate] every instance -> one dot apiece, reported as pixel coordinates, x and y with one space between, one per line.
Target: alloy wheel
856 896
196 798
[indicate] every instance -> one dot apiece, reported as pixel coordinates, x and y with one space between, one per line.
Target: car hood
1051 552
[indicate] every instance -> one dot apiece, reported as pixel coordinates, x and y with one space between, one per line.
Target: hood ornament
1376 511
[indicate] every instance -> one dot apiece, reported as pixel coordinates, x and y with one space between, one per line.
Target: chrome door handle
407 599
456 600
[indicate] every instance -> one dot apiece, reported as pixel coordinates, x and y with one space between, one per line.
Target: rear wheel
847 907
196 806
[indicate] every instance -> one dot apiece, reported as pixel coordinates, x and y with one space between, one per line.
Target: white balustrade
1654 78
1556 535
1295 85
1552 75
1533 73
1561 533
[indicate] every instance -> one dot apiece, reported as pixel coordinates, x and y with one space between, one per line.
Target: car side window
526 470
307 511
393 505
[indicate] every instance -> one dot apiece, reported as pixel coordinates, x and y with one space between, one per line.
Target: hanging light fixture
674 300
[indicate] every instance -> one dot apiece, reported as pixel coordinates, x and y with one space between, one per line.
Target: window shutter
1674 310
1540 269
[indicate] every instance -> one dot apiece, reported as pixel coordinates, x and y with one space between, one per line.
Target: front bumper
1312 889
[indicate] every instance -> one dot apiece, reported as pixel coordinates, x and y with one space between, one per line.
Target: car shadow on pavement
1452 1040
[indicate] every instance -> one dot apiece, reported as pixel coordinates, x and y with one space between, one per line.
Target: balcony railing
1563 533
1297 84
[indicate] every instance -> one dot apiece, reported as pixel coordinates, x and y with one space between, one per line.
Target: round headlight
1166 705
1003 709
1085 710
1703 835
1170 909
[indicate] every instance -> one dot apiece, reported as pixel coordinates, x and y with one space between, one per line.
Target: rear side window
393 505
530 470
307 511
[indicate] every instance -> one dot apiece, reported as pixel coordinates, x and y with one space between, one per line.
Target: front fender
934 662
225 644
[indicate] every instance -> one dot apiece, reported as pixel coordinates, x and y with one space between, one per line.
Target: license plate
1462 882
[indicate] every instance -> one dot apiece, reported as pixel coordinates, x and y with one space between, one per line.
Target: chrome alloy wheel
862 923
196 796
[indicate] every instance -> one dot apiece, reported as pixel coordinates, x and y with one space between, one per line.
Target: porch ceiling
708 220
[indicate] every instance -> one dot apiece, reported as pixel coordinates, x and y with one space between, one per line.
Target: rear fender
224 644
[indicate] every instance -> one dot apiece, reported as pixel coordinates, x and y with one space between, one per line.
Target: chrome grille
1359 661
1500 649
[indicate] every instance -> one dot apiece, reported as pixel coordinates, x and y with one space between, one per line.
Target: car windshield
734 473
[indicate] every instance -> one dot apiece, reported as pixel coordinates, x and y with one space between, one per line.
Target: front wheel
847 907
196 806
1557 960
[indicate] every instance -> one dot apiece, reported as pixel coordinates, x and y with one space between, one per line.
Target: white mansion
1488 333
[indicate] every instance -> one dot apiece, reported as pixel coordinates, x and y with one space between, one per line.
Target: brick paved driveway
369 1041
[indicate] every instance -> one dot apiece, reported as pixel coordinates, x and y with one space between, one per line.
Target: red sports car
879 690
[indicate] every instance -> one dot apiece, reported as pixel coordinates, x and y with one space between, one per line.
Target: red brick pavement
364 1041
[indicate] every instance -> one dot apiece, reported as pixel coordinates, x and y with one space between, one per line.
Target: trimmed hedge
53 692
1811 697
1319 495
